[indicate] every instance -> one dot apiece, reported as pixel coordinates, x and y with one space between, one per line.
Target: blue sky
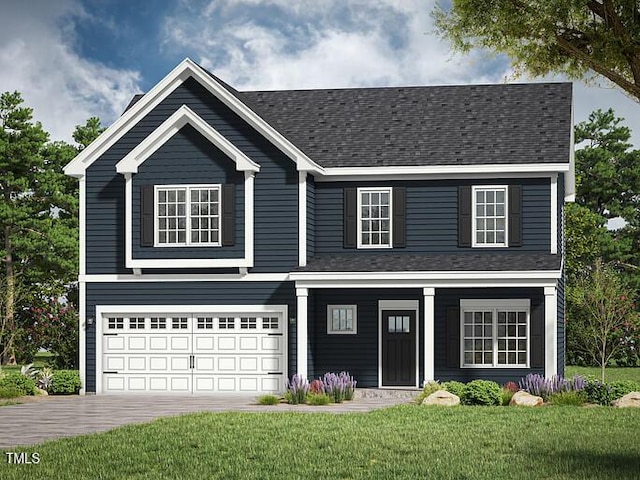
73 59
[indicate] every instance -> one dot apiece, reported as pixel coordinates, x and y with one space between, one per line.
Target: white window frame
187 188
331 308
474 229
495 305
362 190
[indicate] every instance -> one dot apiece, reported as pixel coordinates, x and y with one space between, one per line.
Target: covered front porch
395 331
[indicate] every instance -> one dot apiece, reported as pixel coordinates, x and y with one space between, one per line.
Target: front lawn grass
407 441
611 374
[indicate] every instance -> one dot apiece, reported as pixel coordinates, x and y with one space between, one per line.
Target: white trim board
421 275
167 129
412 305
186 69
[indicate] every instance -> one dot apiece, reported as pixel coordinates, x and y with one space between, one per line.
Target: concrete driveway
47 418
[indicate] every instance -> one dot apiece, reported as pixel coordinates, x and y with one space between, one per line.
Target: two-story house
229 240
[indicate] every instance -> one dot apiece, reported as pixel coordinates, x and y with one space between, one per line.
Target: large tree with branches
573 37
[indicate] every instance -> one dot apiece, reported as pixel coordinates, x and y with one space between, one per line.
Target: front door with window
398 348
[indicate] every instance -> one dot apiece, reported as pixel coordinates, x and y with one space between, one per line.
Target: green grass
612 374
407 441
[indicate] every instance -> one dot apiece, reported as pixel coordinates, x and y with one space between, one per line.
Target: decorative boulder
631 399
442 397
525 399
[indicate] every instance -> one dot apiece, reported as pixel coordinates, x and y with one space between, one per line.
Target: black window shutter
453 337
536 330
515 215
399 217
228 214
350 217
464 216
146 215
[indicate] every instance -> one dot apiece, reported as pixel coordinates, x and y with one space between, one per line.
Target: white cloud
37 59
279 44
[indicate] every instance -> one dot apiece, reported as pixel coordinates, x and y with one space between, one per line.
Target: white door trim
123 310
413 305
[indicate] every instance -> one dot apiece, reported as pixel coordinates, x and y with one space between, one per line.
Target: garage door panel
193 354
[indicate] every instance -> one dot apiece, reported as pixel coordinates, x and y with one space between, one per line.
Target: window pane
181 195
405 324
502 358
392 325
500 196
522 358
468 317
162 196
468 358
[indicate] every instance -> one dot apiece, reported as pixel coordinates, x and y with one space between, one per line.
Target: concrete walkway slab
53 417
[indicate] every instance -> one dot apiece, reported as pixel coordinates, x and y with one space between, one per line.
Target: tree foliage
605 314
573 37
38 216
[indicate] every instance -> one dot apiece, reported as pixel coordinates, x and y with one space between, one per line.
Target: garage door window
136 323
269 323
249 323
115 323
205 323
180 323
226 323
158 323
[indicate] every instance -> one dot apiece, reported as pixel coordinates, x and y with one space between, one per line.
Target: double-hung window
187 215
495 333
374 217
490 216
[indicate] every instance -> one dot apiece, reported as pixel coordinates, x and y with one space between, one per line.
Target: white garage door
193 353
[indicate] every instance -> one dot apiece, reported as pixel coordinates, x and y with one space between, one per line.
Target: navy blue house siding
432 215
275 193
357 354
189 158
187 293
446 298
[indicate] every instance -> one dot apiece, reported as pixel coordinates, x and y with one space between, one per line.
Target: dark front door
398 348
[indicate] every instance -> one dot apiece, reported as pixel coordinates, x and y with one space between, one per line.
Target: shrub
44 378
339 387
316 386
297 389
10 392
268 400
25 385
536 384
622 387
65 382
482 392
511 386
457 388
570 398
318 399
428 389
55 328
507 395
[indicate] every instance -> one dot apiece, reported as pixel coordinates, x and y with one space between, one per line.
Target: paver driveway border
66 416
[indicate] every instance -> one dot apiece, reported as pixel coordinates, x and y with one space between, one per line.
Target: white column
301 338
302 219
248 217
82 337
554 213
429 326
550 331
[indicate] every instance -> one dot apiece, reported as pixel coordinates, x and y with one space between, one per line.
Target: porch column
429 327
550 331
301 336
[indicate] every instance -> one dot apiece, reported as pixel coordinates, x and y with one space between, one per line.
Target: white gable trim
181 117
187 68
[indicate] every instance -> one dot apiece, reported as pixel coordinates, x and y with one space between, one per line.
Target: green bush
65 382
428 389
482 392
25 385
268 400
622 387
318 399
570 398
507 395
457 388
10 392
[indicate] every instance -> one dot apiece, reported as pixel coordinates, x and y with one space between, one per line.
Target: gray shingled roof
485 261
443 125
431 125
